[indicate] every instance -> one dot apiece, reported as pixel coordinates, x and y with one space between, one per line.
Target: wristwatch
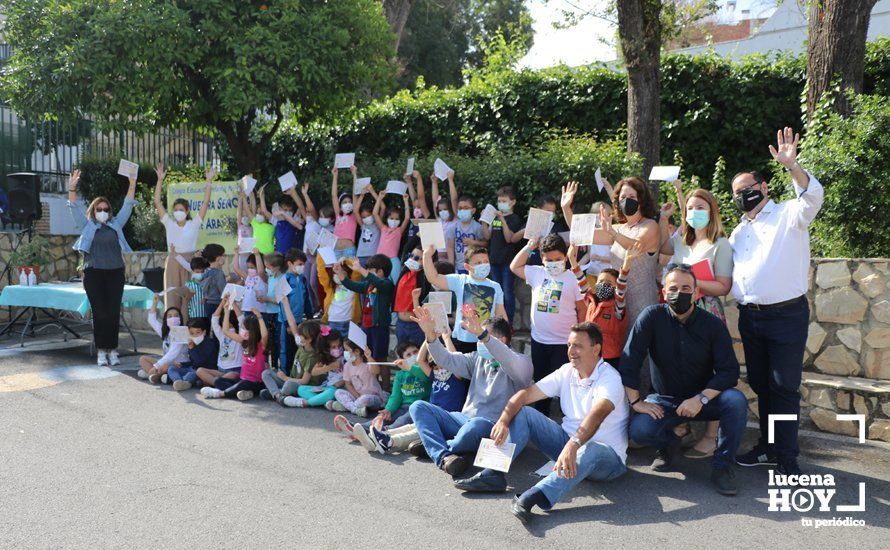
576 441
703 398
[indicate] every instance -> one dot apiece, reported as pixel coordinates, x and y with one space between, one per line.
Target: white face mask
259 218
412 264
555 269
198 339
368 220
348 356
298 339
101 217
444 215
298 269
324 222
503 206
179 215
410 360
346 208
393 223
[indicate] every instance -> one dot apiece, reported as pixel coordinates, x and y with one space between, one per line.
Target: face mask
465 215
483 352
198 339
336 352
748 199
604 292
298 340
179 215
251 272
299 269
629 206
418 212
444 215
411 360
337 279
555 269
245 220
412 264
287 213
346 207
101 217
269 272
243 333
324 222
504 206
393 223
173 321
259 218
197 276
680 302
368 220
349 356
697 219
481 271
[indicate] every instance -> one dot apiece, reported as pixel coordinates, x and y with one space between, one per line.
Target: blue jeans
774 341
182 373
595 461
340 326
345 252
444 433
502 275
287 348
410 331
399 418
730 408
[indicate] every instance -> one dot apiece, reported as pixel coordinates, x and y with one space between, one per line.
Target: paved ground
97 458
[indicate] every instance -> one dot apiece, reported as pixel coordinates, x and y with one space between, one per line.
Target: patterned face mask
604 292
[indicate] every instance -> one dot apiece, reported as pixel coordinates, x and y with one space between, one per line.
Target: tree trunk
245 153
639 29
836 48
397 12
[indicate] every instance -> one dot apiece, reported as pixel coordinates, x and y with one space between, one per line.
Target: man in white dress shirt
771 256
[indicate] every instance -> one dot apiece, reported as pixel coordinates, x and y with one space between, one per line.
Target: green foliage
851 157
35 252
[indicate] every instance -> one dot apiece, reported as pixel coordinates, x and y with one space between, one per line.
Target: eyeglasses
752 186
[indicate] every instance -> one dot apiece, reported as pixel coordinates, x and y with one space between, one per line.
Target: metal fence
52 149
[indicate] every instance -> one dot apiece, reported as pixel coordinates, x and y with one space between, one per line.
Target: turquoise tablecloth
67 297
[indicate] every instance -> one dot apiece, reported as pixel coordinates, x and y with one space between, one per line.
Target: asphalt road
107 460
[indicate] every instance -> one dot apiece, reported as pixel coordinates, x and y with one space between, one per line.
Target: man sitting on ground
592 441
495 372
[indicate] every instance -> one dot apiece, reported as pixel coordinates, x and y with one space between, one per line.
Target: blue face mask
483 352
697 219
481 271
465 215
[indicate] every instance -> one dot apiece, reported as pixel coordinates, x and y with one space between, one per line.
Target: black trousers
231 387
105 288
547 358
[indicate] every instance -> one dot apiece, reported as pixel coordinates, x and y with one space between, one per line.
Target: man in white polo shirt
592 441
771 256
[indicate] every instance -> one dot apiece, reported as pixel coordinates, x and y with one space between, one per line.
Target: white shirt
771 253
230 351
184 238
252 285
553 304
577 397
341 306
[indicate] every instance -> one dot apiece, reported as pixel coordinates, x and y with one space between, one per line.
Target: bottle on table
32 277
23 277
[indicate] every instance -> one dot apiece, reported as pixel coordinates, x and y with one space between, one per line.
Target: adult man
771 257
495 371
694 373
592 441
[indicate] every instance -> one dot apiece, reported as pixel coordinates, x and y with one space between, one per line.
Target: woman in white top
182 234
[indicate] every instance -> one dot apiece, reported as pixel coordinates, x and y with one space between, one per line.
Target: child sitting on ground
331 348
202 352
254 338
152 367
361 389
228 361
281 384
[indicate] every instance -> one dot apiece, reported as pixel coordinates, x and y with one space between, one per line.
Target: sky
584 43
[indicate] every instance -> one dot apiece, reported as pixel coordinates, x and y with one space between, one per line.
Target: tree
397 12
836 49
233 67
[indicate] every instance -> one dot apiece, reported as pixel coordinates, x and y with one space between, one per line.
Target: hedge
711 107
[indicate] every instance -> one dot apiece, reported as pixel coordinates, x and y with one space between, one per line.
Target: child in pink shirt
345 224
391 232
362 390
254 338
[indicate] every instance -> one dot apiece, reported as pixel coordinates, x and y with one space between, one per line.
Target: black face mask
680 302
748 199
604 292
629 206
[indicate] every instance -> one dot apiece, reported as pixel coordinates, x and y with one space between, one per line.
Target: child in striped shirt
196 302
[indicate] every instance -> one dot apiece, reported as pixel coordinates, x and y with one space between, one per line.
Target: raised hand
605 220
426 322
73 180
633 253
568 193
210 173
471 322
668 209
160 171
786 155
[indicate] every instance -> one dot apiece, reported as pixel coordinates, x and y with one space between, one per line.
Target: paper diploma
491 456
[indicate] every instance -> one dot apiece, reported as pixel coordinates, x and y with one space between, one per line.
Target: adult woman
701 237
102 244
182 235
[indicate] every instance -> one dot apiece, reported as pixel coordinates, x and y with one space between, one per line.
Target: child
419 207
152 367
448 391
361 389
411 278
313 227
253 279
286 220
345 225
228 361
341 305
503 237
557 304
296 308
445 208
606 305
275 271
411 384
551 204
391 231
467 232
598 257
202 352
331 348
214 280
245 231
253 338
196 309
279 384
379 291
369 239
263 231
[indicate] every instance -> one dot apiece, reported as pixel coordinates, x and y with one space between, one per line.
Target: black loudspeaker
23 190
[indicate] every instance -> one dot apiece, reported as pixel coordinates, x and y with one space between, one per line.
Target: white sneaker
294 402
335 406
142 374
360 435
244 395
113 358
211 393
164 379
182 385
102 358
362 412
